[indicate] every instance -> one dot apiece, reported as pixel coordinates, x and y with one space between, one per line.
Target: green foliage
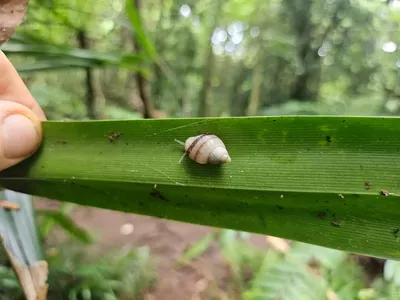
76 273
198 248
137 27
9 285
304 272
392 272
55 57
65 222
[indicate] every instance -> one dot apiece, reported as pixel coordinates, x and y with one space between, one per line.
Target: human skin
20 117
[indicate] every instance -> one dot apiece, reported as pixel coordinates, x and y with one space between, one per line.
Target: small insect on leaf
341 196
322 215
112 136
336 223
9 205
367 185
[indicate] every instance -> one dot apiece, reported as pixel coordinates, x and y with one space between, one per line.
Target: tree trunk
141 82
205 101
95 99
239 105
306 85
254 101
205 93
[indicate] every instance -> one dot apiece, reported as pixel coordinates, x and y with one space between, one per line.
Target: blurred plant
75 273
9 285
61 219
303 272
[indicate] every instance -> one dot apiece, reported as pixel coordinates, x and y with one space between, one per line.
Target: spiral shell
207 149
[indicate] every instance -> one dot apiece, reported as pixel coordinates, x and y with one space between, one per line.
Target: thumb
20 133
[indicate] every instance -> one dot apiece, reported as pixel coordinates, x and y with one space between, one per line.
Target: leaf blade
284 179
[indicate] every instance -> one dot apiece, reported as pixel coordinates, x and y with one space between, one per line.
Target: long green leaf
137 26
73 56
67 224
284 180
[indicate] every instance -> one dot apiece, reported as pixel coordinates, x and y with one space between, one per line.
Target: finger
12 88
20 133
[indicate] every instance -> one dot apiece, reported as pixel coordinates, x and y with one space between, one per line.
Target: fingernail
20 136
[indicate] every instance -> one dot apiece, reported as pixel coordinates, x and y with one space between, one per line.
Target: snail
205 149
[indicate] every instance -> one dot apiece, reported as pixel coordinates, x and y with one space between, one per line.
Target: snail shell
207 149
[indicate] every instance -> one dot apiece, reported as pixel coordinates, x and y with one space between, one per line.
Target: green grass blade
73 56
68 225
284 180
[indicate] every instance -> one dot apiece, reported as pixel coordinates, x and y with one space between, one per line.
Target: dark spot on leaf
322 215
262 220
126 144
273 120
141 203
156 194
395 232
328 139
62 142
343 121
243 205
367 185
280 207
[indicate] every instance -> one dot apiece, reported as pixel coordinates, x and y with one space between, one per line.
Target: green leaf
328 258
137 26
55 56
198 248
287 280
284 180
67 224
392 272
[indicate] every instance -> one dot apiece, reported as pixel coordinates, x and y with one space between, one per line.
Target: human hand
20 117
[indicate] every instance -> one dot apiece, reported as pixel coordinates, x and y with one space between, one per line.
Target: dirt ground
167 240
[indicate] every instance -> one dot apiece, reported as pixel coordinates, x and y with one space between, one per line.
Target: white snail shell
207 149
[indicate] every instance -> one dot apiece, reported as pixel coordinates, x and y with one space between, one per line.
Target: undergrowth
78 273
304 272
